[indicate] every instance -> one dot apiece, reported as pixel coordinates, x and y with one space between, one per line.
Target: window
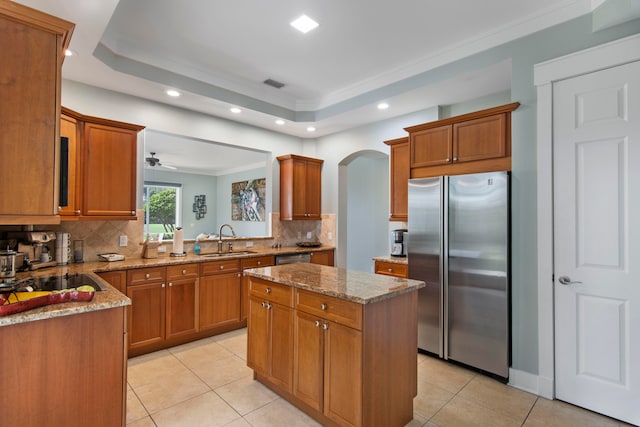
162 208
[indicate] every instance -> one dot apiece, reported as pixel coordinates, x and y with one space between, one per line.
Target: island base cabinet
328 368
269 348
65 371
365 375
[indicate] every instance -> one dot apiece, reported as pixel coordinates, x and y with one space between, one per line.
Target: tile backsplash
104 236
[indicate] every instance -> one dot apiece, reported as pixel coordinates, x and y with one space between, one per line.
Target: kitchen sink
219 254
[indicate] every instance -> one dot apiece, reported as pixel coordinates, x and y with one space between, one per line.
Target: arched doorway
363 209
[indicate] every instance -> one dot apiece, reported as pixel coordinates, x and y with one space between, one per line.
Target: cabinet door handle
317 323
455 159
325 326
263 304
162 285
78 212
170 284
133 213
323 306
239 275
268 306
448 159
268 290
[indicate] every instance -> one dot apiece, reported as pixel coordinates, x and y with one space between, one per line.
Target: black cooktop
49 283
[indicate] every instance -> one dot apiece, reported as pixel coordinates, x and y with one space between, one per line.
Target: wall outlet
330 235
248 244
299 235
123 241
309 234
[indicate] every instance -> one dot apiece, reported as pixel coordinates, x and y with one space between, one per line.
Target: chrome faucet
233 233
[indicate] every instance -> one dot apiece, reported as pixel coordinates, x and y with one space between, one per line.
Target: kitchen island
340 345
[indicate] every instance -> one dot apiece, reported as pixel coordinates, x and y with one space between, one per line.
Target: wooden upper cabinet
109 178
102 167
70 128
32 45
300 187
478 139
470 143
398 178
432 147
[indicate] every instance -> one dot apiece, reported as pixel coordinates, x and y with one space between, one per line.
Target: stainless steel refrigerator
459 245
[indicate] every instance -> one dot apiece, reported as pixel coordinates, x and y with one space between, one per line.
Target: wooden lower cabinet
269 351
65 371
181 300
117 279
219 294
392 269
328 368
322 258
256 262
351 366
146 315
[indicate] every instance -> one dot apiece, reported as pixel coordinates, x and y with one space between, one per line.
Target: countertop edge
402 288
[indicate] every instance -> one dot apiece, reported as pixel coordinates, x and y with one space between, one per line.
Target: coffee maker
398 244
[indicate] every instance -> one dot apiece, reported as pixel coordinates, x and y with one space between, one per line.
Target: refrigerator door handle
444 262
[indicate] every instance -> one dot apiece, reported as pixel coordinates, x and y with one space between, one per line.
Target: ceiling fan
154 161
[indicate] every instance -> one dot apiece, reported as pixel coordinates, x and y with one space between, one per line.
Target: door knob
566 280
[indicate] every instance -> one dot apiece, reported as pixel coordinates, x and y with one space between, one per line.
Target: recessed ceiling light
304 24
311 129
173 93
235 110
279 122
383 106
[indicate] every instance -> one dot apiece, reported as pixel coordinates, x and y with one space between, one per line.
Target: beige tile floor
207 383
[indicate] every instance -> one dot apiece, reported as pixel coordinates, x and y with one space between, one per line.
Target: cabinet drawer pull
146 276
259 263
268 306
263 304
391 270
222 267
268 290
78 212
317 323
170 284
325 326
323 306
184 271
162 285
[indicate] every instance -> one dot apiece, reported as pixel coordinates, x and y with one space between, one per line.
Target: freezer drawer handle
566 280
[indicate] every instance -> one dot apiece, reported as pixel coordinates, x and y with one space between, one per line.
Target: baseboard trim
531 383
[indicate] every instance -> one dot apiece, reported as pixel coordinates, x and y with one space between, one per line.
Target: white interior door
597 241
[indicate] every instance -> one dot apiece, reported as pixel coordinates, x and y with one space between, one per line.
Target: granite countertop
392 259
356 286
112 298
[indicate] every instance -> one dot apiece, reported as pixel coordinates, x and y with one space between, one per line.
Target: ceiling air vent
274 83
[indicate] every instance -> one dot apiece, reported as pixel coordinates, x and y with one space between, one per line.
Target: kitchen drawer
338 310
275 292
184 271
263 261
392 269
141 276
217 267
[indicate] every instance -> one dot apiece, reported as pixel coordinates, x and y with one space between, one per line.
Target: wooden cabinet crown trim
41 20
397 141
297 157
507 108
101 121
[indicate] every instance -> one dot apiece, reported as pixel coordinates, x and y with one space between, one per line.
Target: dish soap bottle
196 248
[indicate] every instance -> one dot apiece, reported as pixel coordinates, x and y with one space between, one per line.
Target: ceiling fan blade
168 166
